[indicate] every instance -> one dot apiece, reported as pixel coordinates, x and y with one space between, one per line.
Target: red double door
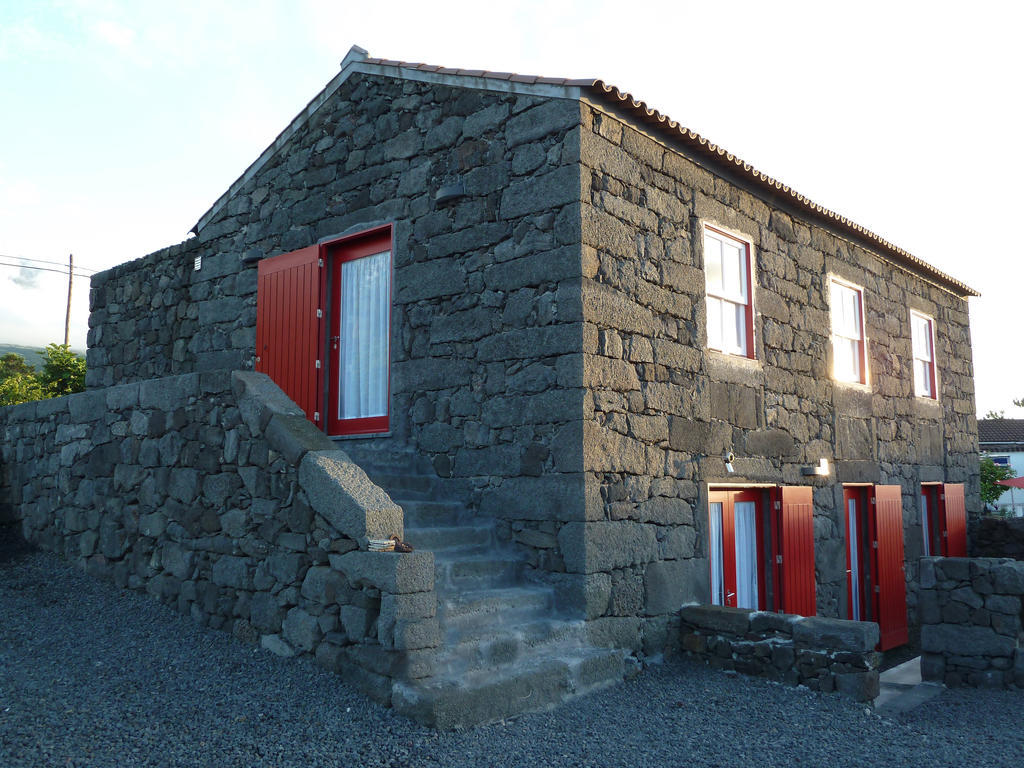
323 330
876 588
757 534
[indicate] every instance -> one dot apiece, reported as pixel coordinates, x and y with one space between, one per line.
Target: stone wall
823 654
662 409
486 376
971 631
999 537
213 493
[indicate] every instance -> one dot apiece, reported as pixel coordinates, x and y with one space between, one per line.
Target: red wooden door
289 326
890 586
739 581
359 388
794 534
954 520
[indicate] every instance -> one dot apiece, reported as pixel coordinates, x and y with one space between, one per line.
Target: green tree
20 388
995 415
63 371
991 473
12 364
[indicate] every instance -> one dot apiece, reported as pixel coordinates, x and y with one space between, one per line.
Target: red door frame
728 500
337 253
858 494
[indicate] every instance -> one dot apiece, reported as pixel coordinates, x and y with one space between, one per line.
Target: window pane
746 555
922 378
738 335
847 359
713 263
733 267
363 374
715 553
714 323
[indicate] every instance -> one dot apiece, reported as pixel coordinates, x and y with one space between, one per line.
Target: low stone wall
214 494
970 611
823 654
999 537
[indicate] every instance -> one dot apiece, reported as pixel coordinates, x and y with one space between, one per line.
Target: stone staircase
505 651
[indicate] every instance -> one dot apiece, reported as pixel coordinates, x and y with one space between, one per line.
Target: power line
41 269
44 261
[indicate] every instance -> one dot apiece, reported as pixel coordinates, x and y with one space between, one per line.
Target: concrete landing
901 689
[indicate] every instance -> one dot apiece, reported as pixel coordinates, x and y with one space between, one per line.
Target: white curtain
746 554
365 306
715 547
855 609
926 525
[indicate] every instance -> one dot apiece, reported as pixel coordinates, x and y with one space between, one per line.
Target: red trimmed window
922 335
761 549
730 314
323 330
849 358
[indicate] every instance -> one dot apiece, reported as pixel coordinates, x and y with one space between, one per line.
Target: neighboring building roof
357 60
1001 431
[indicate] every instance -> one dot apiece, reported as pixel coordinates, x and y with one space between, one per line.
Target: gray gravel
94 676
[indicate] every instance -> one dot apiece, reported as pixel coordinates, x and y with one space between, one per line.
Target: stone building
605 367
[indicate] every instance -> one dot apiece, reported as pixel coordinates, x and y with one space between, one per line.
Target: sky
121 123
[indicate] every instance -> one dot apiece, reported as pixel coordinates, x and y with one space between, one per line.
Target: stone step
488 647
495 604
420 513
406 486
450 538
458 572
488 695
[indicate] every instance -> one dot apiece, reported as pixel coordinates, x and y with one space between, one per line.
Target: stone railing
823 654
213 493
970 611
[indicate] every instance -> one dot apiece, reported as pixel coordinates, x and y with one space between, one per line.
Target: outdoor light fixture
729 458
449 192
821 469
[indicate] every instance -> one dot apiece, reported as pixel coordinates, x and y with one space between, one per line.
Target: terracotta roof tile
670 129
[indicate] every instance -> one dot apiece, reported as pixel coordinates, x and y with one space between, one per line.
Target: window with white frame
729 310
922 334
849 361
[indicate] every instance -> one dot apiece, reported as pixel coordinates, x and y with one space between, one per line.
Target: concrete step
488 695
457 572
445 539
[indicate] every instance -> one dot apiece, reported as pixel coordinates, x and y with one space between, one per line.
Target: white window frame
719 300
842 337
929 388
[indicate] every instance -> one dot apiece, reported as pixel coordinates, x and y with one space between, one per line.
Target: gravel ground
94 676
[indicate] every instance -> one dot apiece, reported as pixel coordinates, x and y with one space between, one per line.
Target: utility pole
67 317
